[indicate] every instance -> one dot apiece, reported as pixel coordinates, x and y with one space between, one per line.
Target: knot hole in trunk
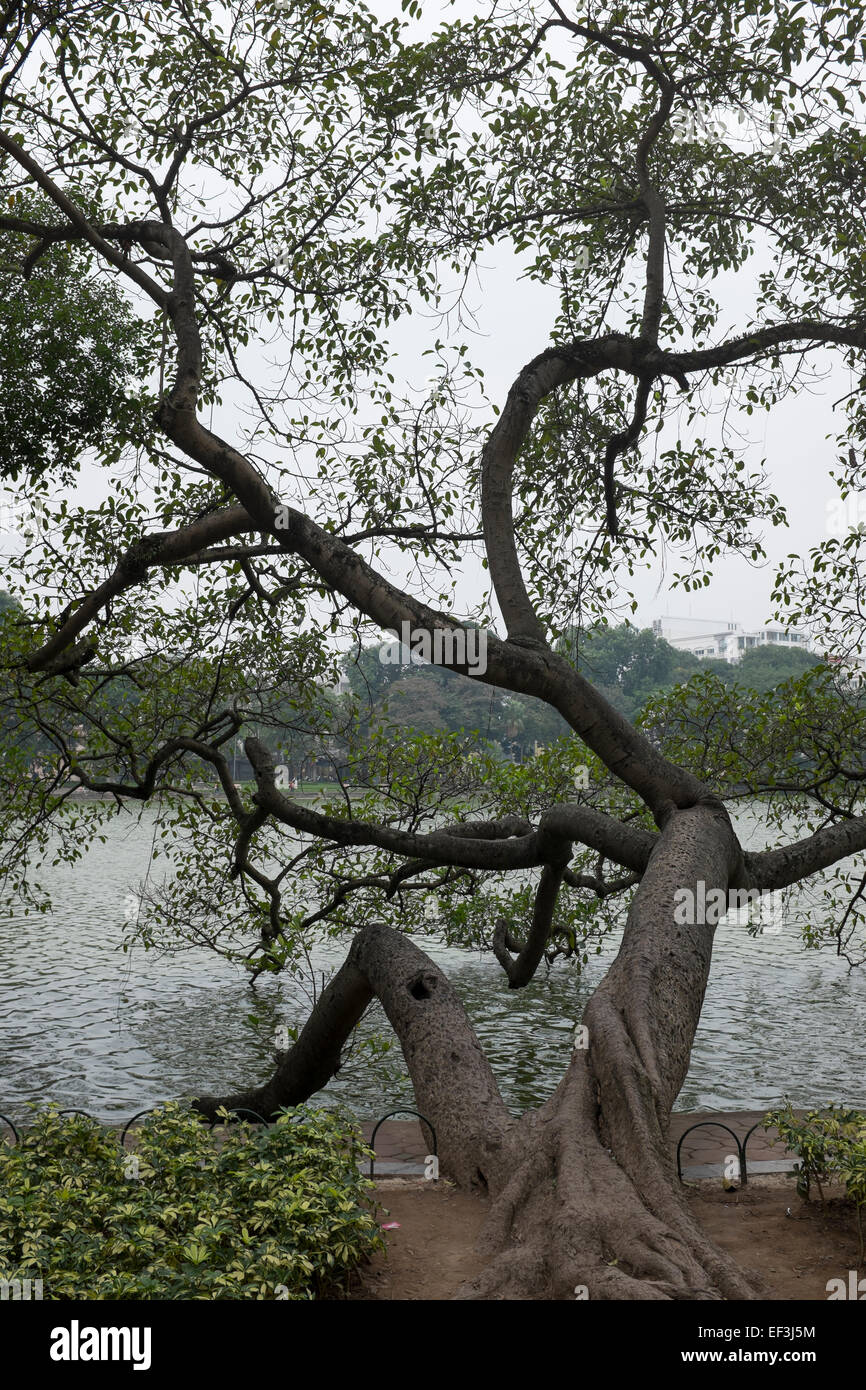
422 985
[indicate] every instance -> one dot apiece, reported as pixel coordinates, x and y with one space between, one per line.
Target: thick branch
509 843
625 844
555 367
764 340
80 222
505 851
454 1084
777 868
521 968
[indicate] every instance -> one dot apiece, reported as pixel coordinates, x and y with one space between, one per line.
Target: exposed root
570 1222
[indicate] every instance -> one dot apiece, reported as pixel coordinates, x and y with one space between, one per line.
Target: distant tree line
629 665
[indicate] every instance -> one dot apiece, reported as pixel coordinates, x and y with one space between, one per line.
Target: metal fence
740 1143
238 1113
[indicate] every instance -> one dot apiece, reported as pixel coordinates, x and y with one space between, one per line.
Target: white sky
515 318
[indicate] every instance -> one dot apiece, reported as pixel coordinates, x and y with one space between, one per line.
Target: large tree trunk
583 1191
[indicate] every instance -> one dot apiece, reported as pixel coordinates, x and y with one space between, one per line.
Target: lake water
87 1026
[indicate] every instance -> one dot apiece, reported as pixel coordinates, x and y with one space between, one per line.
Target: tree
763 668
332 174
637 663
642 665
62 383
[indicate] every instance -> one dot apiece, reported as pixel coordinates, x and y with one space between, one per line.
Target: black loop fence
6 1120
391 1113
237 1113
128 1126
713 1124
241 1110
740 1143
758 1125
150 1110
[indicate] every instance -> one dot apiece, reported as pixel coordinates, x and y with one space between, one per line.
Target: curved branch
763 340
521 968
641 52
619 444
603 888
654 295
454 1085
502 845
162 548
626 844
80 222
509 843
555 367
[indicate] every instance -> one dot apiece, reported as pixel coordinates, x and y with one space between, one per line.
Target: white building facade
729 643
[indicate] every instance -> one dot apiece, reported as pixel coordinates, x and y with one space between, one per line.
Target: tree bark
591 1201
454 1085
583 1190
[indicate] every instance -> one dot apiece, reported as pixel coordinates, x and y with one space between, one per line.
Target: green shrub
269 1213
829 1143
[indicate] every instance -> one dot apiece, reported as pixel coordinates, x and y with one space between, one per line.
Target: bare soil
793 1247
434 1249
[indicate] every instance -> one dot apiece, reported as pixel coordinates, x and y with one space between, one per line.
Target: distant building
850 667
729 644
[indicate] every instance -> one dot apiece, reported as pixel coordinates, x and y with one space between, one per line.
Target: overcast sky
515 319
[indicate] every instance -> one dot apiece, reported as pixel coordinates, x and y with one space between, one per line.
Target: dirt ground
793 1255
794 1247
434 1249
